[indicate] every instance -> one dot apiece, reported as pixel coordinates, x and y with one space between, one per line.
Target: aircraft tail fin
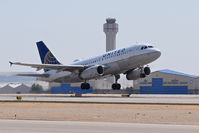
45 54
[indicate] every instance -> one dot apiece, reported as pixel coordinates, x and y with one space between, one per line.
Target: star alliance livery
130 61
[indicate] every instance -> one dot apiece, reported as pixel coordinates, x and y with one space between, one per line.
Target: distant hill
11 77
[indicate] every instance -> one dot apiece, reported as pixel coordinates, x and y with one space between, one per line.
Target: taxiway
32 126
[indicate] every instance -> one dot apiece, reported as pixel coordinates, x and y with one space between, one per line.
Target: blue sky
74 29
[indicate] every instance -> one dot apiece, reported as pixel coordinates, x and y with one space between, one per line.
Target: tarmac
32 126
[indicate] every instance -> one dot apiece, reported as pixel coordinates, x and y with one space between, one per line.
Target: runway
30 126
107 99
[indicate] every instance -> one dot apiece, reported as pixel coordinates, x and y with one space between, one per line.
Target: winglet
11 63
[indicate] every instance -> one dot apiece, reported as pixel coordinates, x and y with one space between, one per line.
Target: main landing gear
116 86
85 86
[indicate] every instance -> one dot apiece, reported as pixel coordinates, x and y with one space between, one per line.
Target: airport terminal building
168 82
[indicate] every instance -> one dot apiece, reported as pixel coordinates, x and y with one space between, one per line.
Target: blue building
68 89
167 82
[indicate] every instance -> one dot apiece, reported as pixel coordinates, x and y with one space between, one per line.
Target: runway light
19 97
78 95
125 95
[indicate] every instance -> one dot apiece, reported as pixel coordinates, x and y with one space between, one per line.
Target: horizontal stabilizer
34 75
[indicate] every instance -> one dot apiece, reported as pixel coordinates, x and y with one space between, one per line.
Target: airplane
130 61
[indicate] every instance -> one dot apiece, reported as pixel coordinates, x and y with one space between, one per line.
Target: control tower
110 29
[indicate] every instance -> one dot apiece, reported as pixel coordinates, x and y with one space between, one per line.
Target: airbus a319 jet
131 61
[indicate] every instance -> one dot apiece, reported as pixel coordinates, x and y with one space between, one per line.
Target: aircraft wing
57 67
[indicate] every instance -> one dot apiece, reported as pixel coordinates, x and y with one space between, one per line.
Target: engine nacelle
92 72
138 73
133 75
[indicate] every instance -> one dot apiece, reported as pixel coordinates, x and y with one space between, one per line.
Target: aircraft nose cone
157 53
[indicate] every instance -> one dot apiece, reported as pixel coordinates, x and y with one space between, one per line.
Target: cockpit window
145 47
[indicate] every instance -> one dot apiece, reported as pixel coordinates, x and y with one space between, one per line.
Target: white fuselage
115 62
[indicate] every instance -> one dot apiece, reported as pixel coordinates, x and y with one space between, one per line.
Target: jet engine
138 73
147 70
92 72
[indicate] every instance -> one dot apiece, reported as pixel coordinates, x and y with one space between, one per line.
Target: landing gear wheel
116 86
85 86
